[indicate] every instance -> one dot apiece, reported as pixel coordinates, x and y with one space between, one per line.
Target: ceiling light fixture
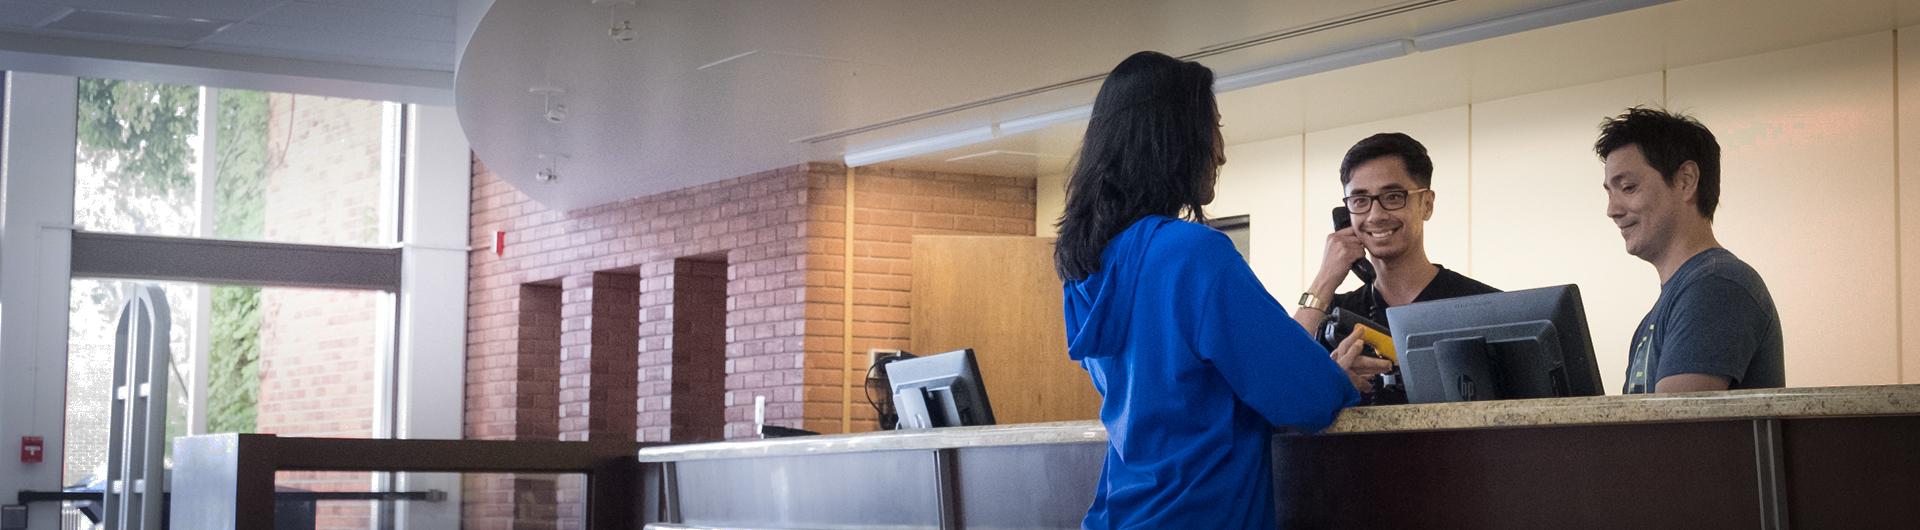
1042 121
1314 65
1434 40
1530 20
549 171
1035 122
553 113
933 144
623 32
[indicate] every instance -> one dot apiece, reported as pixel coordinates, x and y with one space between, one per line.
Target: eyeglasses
1390 201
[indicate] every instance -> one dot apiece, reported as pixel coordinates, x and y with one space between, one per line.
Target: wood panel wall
999 296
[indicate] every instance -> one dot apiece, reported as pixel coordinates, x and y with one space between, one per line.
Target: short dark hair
1149 150
1668 140
1389 144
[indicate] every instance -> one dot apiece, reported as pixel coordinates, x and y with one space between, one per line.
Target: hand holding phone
1342 220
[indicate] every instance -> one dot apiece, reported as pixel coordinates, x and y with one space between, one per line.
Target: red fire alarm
499 243
32 449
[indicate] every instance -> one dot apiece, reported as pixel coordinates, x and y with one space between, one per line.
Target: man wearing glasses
1387 178
1714 326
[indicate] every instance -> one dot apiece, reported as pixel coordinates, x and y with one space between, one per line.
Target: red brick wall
513 393
614 265
599 341
637 287
696 406
318 356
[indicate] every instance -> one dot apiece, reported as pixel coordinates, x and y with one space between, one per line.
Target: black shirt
1366 302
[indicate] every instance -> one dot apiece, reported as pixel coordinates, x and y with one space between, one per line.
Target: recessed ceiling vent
176 30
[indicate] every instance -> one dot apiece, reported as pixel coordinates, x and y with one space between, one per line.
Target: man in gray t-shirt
1714 317
1714 326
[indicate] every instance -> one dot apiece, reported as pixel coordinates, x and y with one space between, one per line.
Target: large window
175 160
177 165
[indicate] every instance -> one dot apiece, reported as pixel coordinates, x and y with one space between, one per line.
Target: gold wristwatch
1308 300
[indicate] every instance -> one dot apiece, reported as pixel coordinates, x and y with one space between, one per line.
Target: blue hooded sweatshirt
1198 365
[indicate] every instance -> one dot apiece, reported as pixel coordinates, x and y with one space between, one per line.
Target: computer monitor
1516 345
942 390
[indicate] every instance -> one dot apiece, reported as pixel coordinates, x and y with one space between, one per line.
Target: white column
385 422
200 343
386 341
35 233
433 302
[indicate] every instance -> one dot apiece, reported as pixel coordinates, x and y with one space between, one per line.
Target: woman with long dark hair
1197 364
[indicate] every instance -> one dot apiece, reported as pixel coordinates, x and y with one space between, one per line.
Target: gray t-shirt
1715 317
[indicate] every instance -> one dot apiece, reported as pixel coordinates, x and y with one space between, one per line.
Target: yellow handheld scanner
1341 323
1380 342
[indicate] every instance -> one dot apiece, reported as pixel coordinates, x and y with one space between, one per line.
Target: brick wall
513 393
629 349
599 338
317 348
696 404
613 266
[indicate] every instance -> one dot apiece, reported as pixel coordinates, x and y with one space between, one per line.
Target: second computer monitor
1515 345
942 390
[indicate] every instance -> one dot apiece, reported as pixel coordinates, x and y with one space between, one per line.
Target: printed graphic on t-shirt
1637 363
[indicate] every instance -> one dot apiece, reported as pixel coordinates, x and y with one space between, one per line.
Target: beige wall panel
1807 136
1010 314
1387 91
1050 198
1909 72
1610 47
1539 215
1444 132
1263 112
1262 181
1704 31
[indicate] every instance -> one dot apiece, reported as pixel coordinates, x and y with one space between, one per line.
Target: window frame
423 263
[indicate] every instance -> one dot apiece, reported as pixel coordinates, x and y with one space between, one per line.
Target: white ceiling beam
77 57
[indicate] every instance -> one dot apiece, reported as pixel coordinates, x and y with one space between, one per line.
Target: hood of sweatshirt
1100 297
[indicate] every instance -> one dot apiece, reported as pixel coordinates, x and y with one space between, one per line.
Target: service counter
1838 457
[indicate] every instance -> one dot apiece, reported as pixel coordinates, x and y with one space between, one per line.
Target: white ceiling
646 117
409 34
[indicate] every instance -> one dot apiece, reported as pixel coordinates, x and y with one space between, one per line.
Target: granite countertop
1700 406
1641 408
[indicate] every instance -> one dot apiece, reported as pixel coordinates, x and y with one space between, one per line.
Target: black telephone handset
1362 268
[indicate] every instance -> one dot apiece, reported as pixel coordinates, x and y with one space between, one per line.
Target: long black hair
1149 150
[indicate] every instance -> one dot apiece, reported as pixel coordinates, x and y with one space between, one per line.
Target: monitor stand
911 405
1466 369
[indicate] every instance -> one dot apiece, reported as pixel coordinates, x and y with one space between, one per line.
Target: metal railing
225 481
